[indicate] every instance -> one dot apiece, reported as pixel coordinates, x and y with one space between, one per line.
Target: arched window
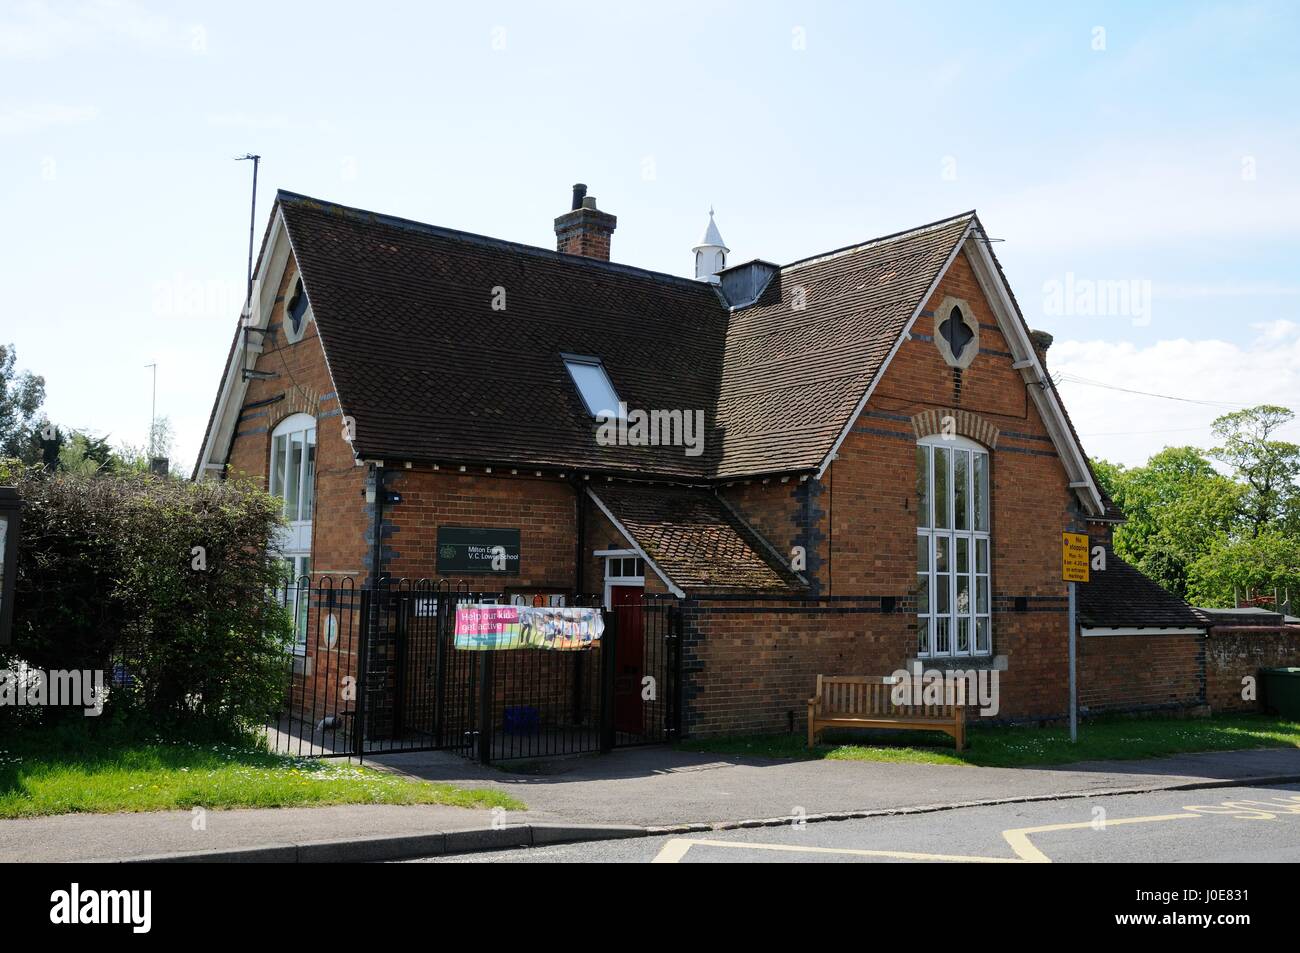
293 480
953 555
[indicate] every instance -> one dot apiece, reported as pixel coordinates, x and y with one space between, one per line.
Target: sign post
1074 570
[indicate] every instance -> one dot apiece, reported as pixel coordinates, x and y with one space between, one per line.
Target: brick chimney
584 229
1041 341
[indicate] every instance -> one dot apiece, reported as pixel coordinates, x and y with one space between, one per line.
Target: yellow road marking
676 849
673 851
1026 851
1018 838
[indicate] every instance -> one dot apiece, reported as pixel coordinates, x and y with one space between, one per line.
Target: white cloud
1128 427
1178 188
16 120
35 29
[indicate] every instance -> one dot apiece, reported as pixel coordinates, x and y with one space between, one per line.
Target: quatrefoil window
956 332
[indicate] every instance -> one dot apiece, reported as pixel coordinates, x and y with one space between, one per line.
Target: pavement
660 787
631 792
1220 825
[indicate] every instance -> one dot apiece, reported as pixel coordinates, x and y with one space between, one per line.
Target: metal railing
377 670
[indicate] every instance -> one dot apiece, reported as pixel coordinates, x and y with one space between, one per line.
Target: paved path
1244 824
658 786
84 837
649 787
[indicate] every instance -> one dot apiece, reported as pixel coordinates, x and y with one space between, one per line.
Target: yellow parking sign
1074 557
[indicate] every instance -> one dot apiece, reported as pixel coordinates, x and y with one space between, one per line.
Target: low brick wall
1141 673
750 665
1233 653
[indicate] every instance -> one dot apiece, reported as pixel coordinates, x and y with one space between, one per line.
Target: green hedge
107 580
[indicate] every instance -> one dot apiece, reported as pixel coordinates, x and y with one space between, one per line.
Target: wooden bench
864 701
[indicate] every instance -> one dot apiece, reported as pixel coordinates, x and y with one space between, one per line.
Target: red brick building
837 465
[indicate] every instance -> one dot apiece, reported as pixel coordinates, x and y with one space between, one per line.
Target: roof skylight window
593 385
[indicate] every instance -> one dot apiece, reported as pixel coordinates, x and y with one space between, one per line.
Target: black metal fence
377 670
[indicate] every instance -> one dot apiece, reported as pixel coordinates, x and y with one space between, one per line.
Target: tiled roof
1123 597
696 539
800 360
431 372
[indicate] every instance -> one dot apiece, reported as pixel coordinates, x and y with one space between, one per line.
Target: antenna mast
252 225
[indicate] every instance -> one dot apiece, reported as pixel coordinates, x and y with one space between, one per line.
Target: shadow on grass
1102 739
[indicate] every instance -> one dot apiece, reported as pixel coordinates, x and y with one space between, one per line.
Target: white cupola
710 253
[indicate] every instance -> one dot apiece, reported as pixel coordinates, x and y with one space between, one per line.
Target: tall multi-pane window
293 480
952 548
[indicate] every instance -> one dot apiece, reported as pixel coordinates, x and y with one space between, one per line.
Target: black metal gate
377 671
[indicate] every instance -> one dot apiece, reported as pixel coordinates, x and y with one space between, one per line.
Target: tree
1176 506
136 459
1270 468
1262 563
21 397
85 454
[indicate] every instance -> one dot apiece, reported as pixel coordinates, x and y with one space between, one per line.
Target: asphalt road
1238 824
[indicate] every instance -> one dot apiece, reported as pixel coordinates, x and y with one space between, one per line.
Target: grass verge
50 773
1011 747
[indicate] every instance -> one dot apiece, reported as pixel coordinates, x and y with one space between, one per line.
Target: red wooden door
629 658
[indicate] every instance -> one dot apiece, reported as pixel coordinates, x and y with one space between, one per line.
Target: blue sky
1151 144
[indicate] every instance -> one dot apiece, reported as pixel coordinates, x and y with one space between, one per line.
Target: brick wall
302 385
543 510
748 664
1141 672
1234 652
858 525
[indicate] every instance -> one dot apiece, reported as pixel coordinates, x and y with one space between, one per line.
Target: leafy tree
1266 561
85 454
21 397
1176 506
1269 467
135 459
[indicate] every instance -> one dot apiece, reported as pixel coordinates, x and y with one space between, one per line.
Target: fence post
486 693
363 653
398 605
608 644
440 628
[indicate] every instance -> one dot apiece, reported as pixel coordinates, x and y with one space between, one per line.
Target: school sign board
475 550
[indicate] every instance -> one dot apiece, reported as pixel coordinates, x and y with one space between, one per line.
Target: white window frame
295 597
609 556
929 537
576 360
294 540
299 528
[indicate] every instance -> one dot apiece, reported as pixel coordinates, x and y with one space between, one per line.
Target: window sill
997 663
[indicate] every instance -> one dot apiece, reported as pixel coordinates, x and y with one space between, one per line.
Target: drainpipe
377 481
580 562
